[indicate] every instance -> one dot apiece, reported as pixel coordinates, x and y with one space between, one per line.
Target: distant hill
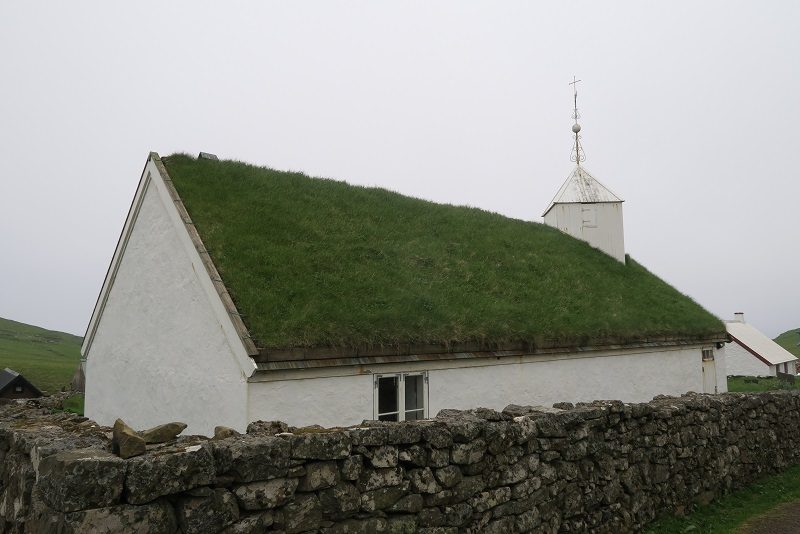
790 340
45 357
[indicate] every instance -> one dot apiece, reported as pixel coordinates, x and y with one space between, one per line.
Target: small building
751 353
586 209
15 386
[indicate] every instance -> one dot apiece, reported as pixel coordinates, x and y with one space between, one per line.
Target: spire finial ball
576 128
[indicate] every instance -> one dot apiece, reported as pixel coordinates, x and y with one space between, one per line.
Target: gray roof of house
6 377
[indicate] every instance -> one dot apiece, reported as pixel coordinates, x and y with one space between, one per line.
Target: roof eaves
208 263
305 358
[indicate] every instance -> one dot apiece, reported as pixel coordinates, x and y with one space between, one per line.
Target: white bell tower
585 208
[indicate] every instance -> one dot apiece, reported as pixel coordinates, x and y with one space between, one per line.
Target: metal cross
577 149
574 84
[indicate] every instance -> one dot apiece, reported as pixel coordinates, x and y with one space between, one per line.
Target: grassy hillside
47 358
314 262
790 340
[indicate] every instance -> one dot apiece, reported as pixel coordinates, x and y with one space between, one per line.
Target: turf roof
319 263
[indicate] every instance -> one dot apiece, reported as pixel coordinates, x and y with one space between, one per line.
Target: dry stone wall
599 467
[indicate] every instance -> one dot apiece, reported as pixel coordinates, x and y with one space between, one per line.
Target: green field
740 384
316 262
790 340
48 359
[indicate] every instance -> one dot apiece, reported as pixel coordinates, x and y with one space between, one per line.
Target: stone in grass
162 433
125 442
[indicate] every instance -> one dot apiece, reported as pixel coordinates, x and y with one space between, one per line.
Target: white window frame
401 394
707 354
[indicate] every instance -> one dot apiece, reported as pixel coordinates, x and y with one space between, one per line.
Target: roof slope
319 263
6 377
749 336
581 187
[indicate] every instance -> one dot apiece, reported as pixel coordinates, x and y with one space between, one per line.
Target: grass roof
313 262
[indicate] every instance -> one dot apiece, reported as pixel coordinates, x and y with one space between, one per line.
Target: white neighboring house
751 353
166 342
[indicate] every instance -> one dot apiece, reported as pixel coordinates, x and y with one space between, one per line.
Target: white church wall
623 375
327 401
626 377
742 363
598 224
160 352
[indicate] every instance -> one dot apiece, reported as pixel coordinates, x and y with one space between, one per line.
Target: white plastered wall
630 376
742 363
606 233
160 348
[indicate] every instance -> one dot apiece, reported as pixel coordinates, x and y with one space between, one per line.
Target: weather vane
577 152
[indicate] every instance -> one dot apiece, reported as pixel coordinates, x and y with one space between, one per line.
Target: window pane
415 415
414 390
388 417
387 394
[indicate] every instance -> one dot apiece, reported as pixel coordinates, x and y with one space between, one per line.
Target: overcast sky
689 113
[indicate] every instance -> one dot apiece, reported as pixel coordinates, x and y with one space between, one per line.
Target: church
238 293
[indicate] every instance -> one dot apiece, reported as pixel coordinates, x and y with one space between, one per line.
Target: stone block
379 434
153 518
302 514
410 504
423 481
448 476
468 453
150 477
252 457
162 433
320 445
212 513
360 526
251 524
319 475
489 499
414 455
341 500
379 478
77 480
402 524
352 467
261 495
381 499
384 456
125 442
457 515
